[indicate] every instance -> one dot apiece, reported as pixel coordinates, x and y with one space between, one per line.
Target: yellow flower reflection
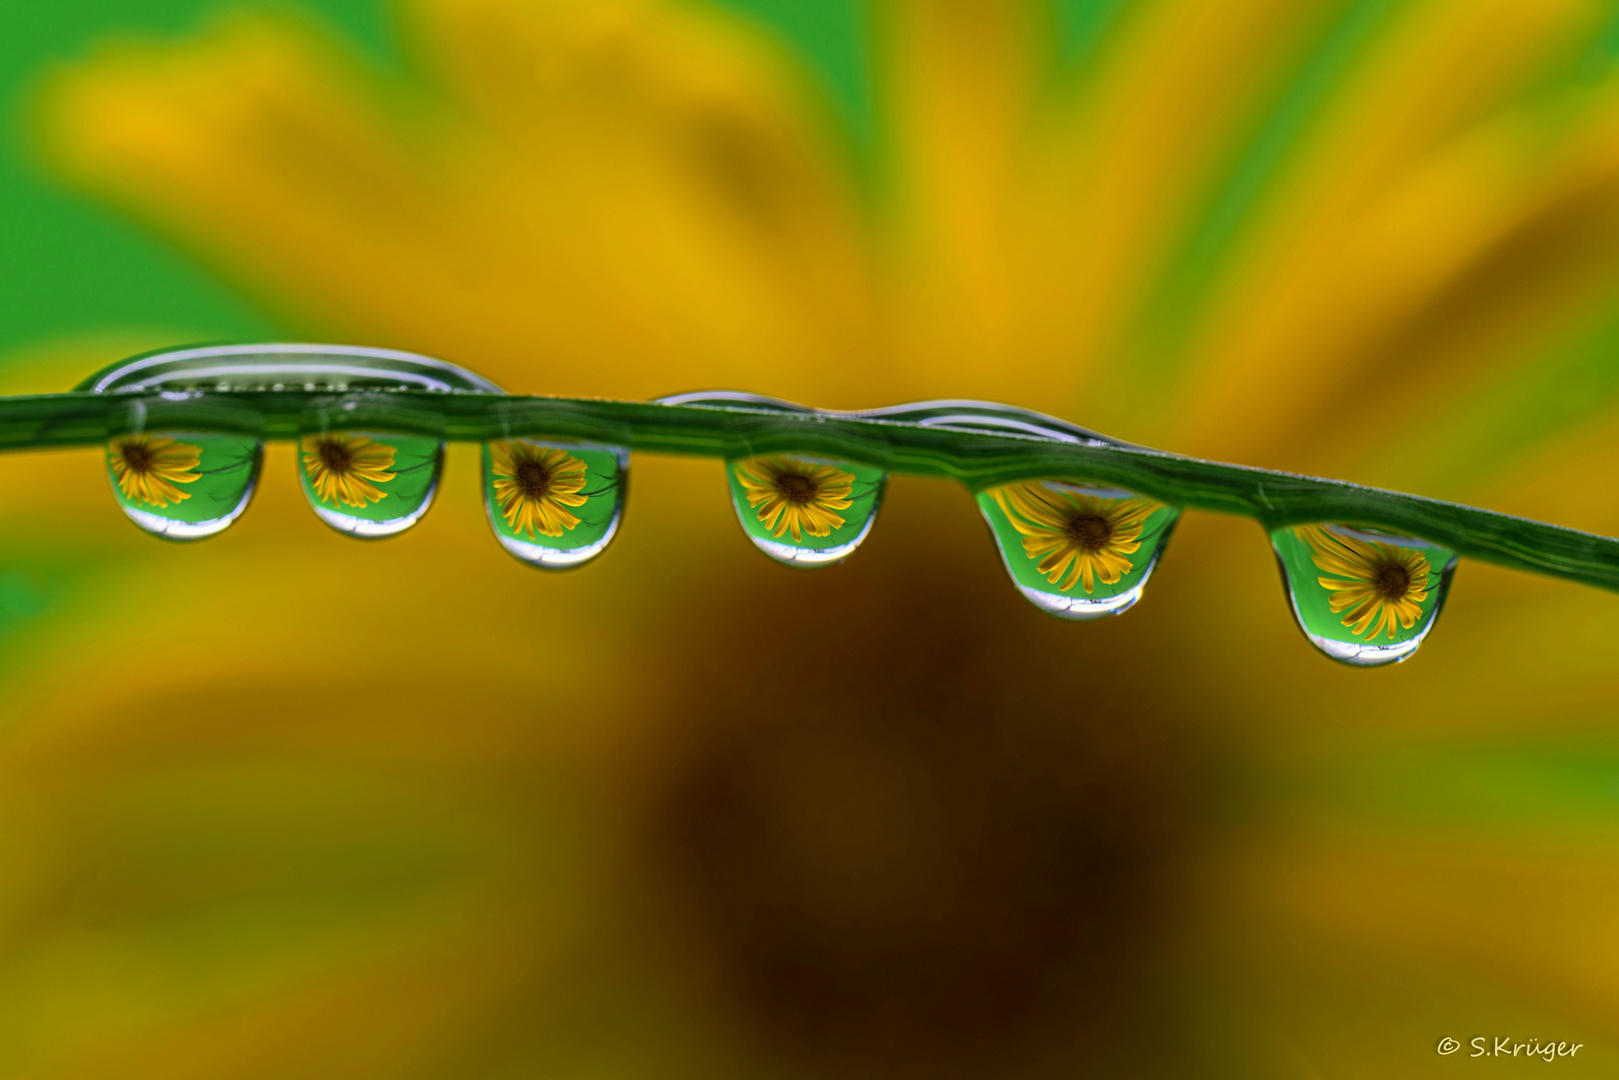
1381 585
148 466
1076 537
796 496
534 486
347 468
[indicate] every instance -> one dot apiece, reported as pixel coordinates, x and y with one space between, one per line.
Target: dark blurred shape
923 839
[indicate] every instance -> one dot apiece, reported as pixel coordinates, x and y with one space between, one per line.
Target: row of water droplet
1077 550
551 506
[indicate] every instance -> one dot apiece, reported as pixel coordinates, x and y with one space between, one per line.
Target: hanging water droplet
805 510
369 484
1077 550
1361 596
183 485
554 505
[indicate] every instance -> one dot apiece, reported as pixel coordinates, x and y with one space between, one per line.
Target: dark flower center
1090 531
138 456
533 479
1391 581
796 489
336 457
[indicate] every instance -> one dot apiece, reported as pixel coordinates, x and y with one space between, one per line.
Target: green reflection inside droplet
799 503
552 496
369 476
1077 549
191 480
1375 594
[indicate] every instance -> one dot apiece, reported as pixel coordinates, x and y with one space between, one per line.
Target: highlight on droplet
1077 550
369 484
805 510
183 485
552 504
1363 597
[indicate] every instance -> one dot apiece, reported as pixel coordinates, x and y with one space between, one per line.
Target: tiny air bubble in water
1363 597
1077 550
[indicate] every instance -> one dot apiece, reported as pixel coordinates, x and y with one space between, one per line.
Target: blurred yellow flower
1224 231
148 466
534 485
795 495
643 193
347 468
1084 537
1382 585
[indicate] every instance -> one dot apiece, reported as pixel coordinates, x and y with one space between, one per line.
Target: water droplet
1364 597
183 485
805 510
988 416
1077 550
369 484
554 505
278 365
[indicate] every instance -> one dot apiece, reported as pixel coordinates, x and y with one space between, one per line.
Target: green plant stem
976 458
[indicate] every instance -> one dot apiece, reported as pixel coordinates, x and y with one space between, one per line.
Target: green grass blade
976 458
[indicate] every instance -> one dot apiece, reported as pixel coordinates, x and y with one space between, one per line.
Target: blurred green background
283 803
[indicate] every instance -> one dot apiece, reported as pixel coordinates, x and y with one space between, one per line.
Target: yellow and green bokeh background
281 803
